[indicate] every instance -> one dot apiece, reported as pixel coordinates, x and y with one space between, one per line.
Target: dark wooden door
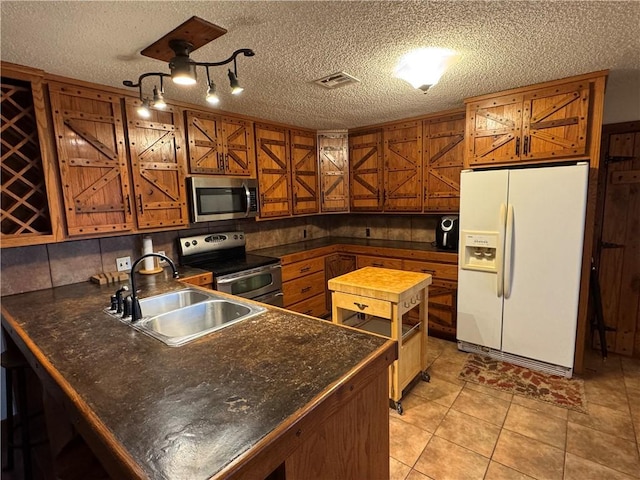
335 265
555 122
91 148
333 150
158 166
365 169
273 164
619 246
304 172
403 167
443 141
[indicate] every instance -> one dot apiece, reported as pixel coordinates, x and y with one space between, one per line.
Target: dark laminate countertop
297 247
183 412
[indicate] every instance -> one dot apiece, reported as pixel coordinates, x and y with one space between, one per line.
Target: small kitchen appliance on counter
447 233
234 270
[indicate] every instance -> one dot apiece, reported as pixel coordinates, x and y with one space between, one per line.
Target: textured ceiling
503 44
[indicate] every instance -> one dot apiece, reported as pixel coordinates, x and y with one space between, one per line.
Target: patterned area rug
560 391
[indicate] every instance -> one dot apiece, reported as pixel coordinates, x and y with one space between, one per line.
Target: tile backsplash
25 269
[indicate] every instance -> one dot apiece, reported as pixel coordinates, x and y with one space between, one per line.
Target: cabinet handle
361 306
226 161
128 205
308 312
374 264
305 289
140 204
430 272
218 161
517 146
526 145
305 269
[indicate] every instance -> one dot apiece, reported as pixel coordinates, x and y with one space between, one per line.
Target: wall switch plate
123 264
161 262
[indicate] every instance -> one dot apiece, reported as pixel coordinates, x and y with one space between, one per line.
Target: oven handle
248 195
223 280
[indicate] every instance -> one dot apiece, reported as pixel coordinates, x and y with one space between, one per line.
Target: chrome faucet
136 312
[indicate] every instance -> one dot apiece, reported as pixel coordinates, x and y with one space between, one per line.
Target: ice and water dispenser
479 250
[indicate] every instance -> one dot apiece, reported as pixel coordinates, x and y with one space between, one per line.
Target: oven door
274 298
251 283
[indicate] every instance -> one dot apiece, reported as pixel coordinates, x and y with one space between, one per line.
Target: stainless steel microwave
222 198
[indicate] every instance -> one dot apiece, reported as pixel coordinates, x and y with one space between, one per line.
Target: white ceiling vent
335 80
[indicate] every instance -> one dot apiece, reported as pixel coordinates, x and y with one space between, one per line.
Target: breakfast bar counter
278 394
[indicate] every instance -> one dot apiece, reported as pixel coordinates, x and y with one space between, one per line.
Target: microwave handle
248 194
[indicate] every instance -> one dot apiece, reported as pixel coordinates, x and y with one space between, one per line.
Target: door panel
403 167
443 161
273 171
555 122
479 306
334 172
158 166
365 168
304 172
540 314
237 139
205 147
93 164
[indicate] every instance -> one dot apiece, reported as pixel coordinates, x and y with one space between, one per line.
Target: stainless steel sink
179 317
186 324
159 304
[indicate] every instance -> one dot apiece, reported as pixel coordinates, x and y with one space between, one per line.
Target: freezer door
541 298
479 298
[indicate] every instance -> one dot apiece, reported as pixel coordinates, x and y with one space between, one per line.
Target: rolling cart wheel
399 408
425 376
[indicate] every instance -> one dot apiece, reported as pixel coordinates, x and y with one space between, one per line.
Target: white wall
622 97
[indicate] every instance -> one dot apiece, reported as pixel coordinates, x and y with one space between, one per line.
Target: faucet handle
124 288
127 307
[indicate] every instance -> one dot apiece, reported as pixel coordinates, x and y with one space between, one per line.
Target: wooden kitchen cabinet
30 206
544 122
443 156
366 171
303 286
333 159
158 166
304 171
92 159
380 262
274 170
335 265
403 167
202 280
220 145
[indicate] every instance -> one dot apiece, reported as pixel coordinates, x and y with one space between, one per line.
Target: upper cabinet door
555 122
403 167
443 141
493 130
304 172
272 149
205 145
365 168
93 164
237 143
333 150
158 166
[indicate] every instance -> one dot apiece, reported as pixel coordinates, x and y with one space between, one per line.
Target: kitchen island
279 395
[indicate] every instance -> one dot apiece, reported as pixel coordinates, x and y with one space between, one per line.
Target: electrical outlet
367 232
304 233
123 264
161 262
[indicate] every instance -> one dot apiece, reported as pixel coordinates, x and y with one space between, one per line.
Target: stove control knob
235 237
241 237
194 243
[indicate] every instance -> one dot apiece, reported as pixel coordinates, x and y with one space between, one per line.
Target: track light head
236 89
212 96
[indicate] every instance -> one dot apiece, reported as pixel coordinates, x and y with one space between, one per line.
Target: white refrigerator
520 257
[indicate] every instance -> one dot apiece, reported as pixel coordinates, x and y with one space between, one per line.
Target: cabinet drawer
357 303
302 288
298 269
203 280
381 262
442 271
314 306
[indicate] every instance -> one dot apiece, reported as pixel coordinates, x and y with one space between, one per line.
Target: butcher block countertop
214 407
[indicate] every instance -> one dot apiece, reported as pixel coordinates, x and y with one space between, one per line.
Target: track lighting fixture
184 72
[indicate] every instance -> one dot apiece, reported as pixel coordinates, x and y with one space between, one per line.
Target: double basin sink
179 317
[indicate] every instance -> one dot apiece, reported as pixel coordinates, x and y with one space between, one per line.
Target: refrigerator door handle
500 251
507 253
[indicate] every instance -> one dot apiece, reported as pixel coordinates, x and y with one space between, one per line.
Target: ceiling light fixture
184 72
423 68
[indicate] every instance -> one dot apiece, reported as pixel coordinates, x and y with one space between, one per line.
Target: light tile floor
453 429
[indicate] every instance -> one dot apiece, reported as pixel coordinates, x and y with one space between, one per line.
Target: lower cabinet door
303 288
315 306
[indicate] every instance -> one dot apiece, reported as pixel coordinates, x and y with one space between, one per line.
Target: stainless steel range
234 271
